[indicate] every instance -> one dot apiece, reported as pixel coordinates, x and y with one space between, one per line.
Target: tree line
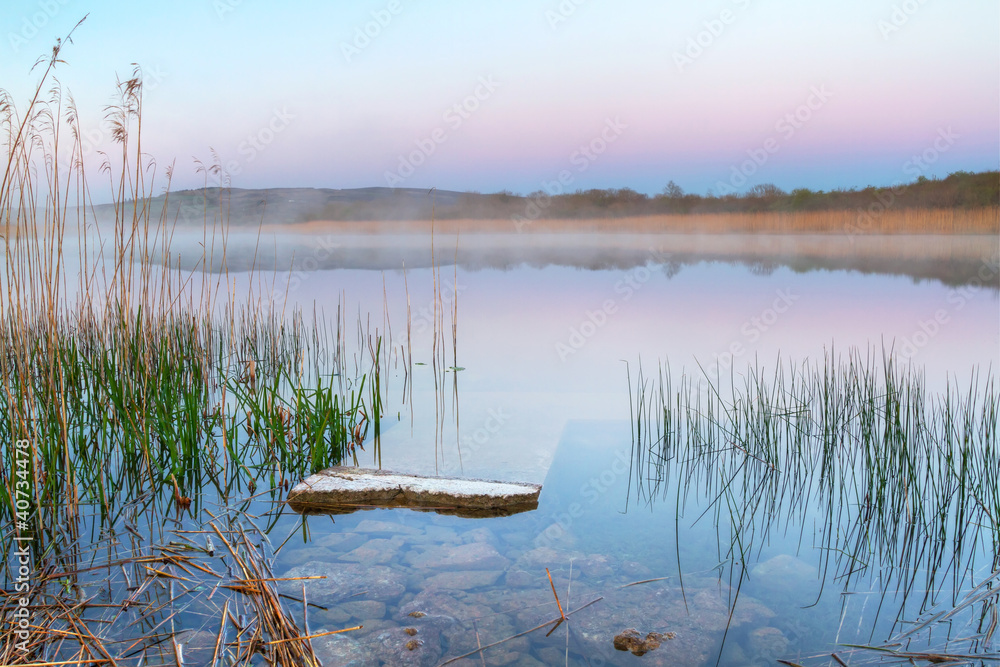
958 190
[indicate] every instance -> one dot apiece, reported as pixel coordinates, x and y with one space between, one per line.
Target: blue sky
509 95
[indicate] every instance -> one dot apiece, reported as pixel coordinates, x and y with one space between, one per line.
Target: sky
519 95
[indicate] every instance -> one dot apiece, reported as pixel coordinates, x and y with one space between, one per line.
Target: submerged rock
364 610
697 617
499 656
399 647
786 581
542 557
344 650
472 556
345 580
631 568
784 568
385 527
768 642
451 615
630 640
440 534
430 606
479 535
342 542
292 556
372 629
517 578
377 551
596 567
195 646
463 581
710 610
556 535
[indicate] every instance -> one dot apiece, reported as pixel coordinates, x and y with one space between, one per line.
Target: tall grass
894 482
141 387
124 372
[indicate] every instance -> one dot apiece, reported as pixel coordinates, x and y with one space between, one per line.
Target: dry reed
130 378
844 222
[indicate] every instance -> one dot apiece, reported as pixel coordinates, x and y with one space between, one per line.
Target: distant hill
291 205
250 207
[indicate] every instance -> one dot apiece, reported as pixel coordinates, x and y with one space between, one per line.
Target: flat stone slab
344 489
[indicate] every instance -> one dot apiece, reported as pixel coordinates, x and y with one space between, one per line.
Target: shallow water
538 385
544 396
787 600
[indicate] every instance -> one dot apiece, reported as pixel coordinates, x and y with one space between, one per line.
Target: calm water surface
543 395
538 383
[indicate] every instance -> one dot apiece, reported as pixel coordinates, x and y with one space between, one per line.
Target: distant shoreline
981 222
961 197
978 221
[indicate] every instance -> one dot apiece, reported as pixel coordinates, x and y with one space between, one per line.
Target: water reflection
720 550
950 259
845 479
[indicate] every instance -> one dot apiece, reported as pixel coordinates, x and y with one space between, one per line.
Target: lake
549 351
756 448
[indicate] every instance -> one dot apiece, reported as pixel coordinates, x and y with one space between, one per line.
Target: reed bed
129 386
846 222
896 484
131 603
132 368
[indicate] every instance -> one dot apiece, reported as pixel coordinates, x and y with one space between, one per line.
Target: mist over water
950 259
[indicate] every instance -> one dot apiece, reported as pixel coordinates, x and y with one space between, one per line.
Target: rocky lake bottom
426 593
